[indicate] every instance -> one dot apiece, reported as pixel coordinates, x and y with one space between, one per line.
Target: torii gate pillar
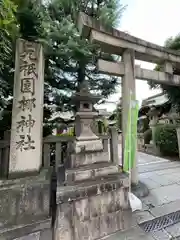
128 87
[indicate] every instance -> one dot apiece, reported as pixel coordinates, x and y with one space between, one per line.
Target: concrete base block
90 171
25 207
140 190
88 145
78 160
39 230
95 215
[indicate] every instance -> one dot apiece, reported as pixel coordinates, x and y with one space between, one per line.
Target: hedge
166 139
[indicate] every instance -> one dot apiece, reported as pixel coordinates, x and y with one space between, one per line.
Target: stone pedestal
178 138
25 201
94 202
25 208
153 113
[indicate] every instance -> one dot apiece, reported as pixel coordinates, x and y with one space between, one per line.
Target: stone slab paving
143 216
150 183
165 209
174 230
163 181
132 234
162 177
162 234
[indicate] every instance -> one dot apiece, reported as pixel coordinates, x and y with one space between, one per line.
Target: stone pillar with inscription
94 201
25 196
27 112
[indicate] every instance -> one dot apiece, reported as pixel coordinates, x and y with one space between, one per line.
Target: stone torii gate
130 48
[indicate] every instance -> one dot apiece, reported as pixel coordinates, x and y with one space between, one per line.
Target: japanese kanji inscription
27 115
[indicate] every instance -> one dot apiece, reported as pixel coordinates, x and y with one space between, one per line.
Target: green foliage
173 43
7 9
117 116
69 59
72 59
166 139
8 30
172 92
100 126
147 136
145 124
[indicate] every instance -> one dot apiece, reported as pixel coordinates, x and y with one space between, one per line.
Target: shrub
166 139
147 136
70 132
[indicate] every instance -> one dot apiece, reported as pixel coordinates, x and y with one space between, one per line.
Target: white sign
27 112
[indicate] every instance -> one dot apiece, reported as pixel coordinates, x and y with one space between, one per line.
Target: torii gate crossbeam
130 48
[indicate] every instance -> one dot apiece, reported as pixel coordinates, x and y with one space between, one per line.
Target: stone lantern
153 114
84 102
94 200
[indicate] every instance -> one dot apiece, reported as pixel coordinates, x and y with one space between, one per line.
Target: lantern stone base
25 208
93 209
94 201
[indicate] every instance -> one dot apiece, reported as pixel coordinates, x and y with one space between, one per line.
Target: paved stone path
163 180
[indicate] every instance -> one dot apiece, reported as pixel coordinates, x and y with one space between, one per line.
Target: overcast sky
151 20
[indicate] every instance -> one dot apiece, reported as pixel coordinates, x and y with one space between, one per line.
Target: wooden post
105 144
178 138
47 155
58 153
5 156
114 145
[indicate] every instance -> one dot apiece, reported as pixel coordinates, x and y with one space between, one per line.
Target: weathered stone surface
32 236
82 209
117 40
150 183
101 204
110 223
97 227
143 216
167 208
127 220
24 201
91 203
134 233
123 197
167 193
95 206
63 226
90 171
27 112
89 158
91 145
27 230
140 190
117 69
82 175
91 188
106 171
107 203
46 235
161 235
174 230
87 229
93 216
